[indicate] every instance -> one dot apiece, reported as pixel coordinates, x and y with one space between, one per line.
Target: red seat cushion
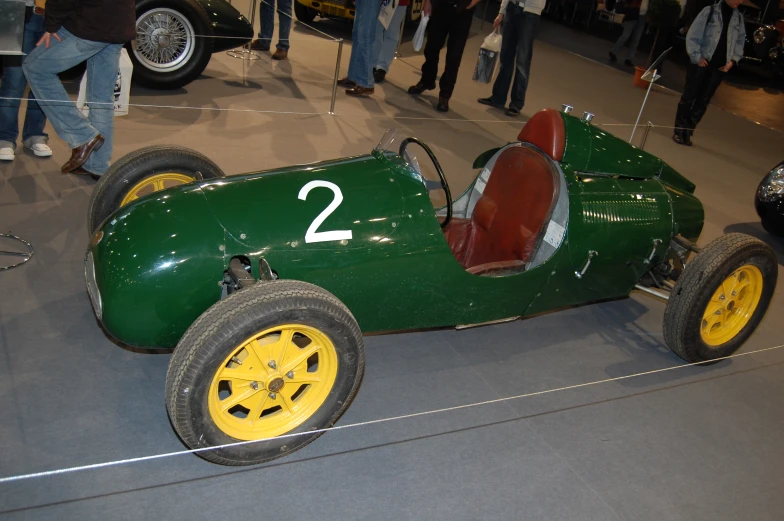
546 131
507 219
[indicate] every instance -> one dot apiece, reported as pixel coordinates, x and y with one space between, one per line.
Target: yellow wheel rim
732 305
273 382
155 183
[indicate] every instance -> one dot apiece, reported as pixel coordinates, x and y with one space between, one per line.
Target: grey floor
686 444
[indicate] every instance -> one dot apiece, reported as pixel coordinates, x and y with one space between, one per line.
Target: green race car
265 282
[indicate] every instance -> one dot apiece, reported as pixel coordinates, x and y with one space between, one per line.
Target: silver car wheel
164 40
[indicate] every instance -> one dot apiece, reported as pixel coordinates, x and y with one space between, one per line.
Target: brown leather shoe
80 154
82 171
260 45
347 83
280 54
360 91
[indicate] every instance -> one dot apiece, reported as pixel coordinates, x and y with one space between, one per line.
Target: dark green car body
160 261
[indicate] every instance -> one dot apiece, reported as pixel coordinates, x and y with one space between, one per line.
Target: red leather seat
511 213
546 131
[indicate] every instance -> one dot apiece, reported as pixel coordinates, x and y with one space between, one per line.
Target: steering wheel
432 185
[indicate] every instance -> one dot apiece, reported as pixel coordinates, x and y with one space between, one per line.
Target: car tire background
174 79
229 322
133 168
304 13
697 284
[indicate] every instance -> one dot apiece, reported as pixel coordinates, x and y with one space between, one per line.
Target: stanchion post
648 127
644 101
335 79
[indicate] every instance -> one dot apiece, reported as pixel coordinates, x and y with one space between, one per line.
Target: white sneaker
41 150
7 154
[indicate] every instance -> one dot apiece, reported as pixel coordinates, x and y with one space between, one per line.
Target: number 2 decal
311 235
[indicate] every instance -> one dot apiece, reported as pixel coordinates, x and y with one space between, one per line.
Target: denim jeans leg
525 52
41 67
639 27
512 21
284 24
13 86
267 12
101 76
628 27
390 37
360 67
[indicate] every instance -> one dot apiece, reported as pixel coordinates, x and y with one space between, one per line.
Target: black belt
29 10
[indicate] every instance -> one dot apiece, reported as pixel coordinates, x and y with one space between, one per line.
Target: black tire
132 169
689 299
772 228
175 74
304 13
216 335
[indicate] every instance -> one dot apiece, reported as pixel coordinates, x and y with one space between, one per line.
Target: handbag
419 36
488 57
122 88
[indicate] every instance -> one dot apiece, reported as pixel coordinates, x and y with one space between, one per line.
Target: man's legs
459 28
639 28
360 66
41 67
713 78
101 76
284 24
525 52
267 12
437 31
13 85
628 27
387 39
513 19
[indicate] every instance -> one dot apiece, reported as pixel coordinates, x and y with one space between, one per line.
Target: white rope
94 466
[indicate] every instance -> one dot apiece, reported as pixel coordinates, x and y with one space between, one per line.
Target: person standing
77 31
267 11
359 81
12 88
633 26
714 44
387 41
520 19
449 24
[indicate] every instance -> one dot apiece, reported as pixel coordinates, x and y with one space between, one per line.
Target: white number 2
312 235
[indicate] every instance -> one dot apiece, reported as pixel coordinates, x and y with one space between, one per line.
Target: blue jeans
360 67
268 22
13 85
387 39
634 29
517 49
103 59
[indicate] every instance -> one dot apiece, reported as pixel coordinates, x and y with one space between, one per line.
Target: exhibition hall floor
692 443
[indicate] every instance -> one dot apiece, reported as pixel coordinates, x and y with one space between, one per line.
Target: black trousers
701 85
448 24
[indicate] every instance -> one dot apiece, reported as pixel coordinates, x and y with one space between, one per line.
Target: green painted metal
161 261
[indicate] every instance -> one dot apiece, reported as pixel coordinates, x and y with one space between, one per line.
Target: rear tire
304 13
720 298
155 167
279 358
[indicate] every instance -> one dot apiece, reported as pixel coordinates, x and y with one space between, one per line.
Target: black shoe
687 138
260 45
513 113
379 75
443 105
613 57
419 88
679 136
487 101
346 83
628 63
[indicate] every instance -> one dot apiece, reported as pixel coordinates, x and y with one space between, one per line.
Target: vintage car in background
175 39
769 200
764 31
264 283
307 10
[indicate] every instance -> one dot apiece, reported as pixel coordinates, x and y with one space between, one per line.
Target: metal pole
650 85
335 80
648 128
246 53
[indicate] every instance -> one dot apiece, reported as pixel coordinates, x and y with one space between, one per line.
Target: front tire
143 172
172 46
277 358
304 13
720 298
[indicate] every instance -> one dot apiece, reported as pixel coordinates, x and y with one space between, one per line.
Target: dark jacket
630 9
108 21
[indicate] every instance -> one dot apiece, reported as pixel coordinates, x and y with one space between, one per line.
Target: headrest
546 131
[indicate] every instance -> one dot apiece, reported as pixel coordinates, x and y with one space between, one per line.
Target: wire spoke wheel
165 39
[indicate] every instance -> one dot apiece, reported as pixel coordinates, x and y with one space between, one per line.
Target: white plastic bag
488 58
387 12
122 88
419 36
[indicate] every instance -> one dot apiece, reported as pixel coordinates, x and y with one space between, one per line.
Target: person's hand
702 63
498 21
47 38
426 10
727 67
473 3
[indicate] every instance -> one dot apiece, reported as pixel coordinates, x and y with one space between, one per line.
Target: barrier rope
94 466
